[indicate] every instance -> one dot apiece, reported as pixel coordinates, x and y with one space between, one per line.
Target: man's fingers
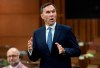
57 43
31 39
30 44
59 47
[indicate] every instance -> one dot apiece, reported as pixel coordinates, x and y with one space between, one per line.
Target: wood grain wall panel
63 11
91 29
18 25
18 20
76 28
91 32
94 27
60 11
18 6
82 28
98 28
19 42
69 22
52 1
88 30
58 5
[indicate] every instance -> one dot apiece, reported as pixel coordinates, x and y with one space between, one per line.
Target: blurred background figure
13 59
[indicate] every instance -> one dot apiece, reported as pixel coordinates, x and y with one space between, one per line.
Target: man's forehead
12 53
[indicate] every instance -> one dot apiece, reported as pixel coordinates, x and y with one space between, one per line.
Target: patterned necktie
49 39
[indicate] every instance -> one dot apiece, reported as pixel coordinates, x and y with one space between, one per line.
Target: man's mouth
51 19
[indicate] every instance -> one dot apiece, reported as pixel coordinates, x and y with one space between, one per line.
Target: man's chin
51 22
13 63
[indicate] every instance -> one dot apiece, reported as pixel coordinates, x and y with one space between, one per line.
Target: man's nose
51 14
11 58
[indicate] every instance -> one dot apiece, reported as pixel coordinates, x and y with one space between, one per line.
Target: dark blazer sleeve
35 53
73 50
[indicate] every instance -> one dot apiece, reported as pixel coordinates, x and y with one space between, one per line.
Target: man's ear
42 16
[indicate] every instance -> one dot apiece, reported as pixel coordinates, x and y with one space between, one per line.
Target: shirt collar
53 26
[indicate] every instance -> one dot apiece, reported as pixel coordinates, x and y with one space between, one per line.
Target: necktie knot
49 28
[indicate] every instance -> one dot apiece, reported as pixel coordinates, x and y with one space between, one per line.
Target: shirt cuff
30 52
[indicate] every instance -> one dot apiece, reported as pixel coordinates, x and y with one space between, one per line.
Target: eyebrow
12 55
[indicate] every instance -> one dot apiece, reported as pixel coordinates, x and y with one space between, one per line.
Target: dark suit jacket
64 36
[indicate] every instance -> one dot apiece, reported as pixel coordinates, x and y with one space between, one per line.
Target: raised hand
30 44
60 48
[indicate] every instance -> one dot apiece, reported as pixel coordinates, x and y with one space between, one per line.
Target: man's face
13 58
49 15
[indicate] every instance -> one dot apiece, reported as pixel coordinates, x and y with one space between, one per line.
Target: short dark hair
46 4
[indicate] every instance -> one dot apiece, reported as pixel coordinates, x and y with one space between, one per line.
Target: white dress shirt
53 30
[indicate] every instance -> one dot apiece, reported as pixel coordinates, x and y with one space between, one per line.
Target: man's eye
47 12
12 56
53 11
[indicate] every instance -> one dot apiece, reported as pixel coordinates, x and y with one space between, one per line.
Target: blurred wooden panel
18 20
19 6
15 41
69 22
18 25
98 29
76 28
88 30
84 29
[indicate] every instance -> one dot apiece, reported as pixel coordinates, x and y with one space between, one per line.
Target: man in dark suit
53 43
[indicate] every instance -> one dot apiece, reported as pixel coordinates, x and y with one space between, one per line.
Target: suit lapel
57 33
